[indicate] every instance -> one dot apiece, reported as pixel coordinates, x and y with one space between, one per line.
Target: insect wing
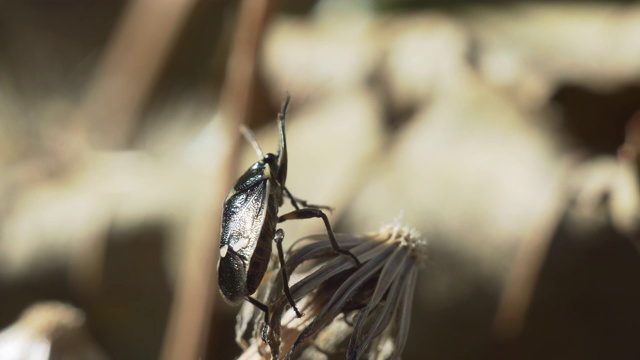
252 177
243 217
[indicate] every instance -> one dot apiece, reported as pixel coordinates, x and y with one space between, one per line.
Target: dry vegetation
507 135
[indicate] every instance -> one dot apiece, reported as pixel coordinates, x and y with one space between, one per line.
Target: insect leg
309 213
295 201
285 277
262 307
265 309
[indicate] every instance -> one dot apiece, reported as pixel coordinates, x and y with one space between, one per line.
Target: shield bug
249 224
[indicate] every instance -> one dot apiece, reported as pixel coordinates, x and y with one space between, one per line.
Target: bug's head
271 160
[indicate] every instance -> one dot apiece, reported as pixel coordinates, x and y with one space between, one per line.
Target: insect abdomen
243 218
262 252
231 278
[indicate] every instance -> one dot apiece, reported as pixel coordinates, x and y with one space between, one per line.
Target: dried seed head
369 305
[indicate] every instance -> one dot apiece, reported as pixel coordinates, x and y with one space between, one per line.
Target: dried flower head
370 305
49 330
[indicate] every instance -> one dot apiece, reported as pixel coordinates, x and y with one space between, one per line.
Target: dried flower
49 330
370 304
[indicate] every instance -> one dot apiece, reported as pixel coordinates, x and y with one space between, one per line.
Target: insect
249 224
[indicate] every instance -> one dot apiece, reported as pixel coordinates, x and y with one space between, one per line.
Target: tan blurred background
507 133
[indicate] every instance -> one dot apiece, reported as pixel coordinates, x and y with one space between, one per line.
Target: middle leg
285 277
309 213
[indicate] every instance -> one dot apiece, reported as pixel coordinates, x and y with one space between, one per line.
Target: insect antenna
248 135
282 150
281 116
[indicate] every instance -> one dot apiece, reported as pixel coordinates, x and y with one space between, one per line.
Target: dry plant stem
517 294
189 322
127 73
192 310
238 89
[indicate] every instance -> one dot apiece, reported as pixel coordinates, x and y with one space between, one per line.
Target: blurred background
507 133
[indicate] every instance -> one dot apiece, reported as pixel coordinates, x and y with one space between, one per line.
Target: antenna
248 135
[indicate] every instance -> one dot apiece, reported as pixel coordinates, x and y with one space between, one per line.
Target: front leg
295 201
309 213
285 277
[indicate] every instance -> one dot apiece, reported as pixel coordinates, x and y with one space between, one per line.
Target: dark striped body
249 226
249 221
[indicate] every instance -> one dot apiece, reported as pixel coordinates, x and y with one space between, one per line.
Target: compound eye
269 158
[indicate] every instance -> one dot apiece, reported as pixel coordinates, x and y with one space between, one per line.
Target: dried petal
379 293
